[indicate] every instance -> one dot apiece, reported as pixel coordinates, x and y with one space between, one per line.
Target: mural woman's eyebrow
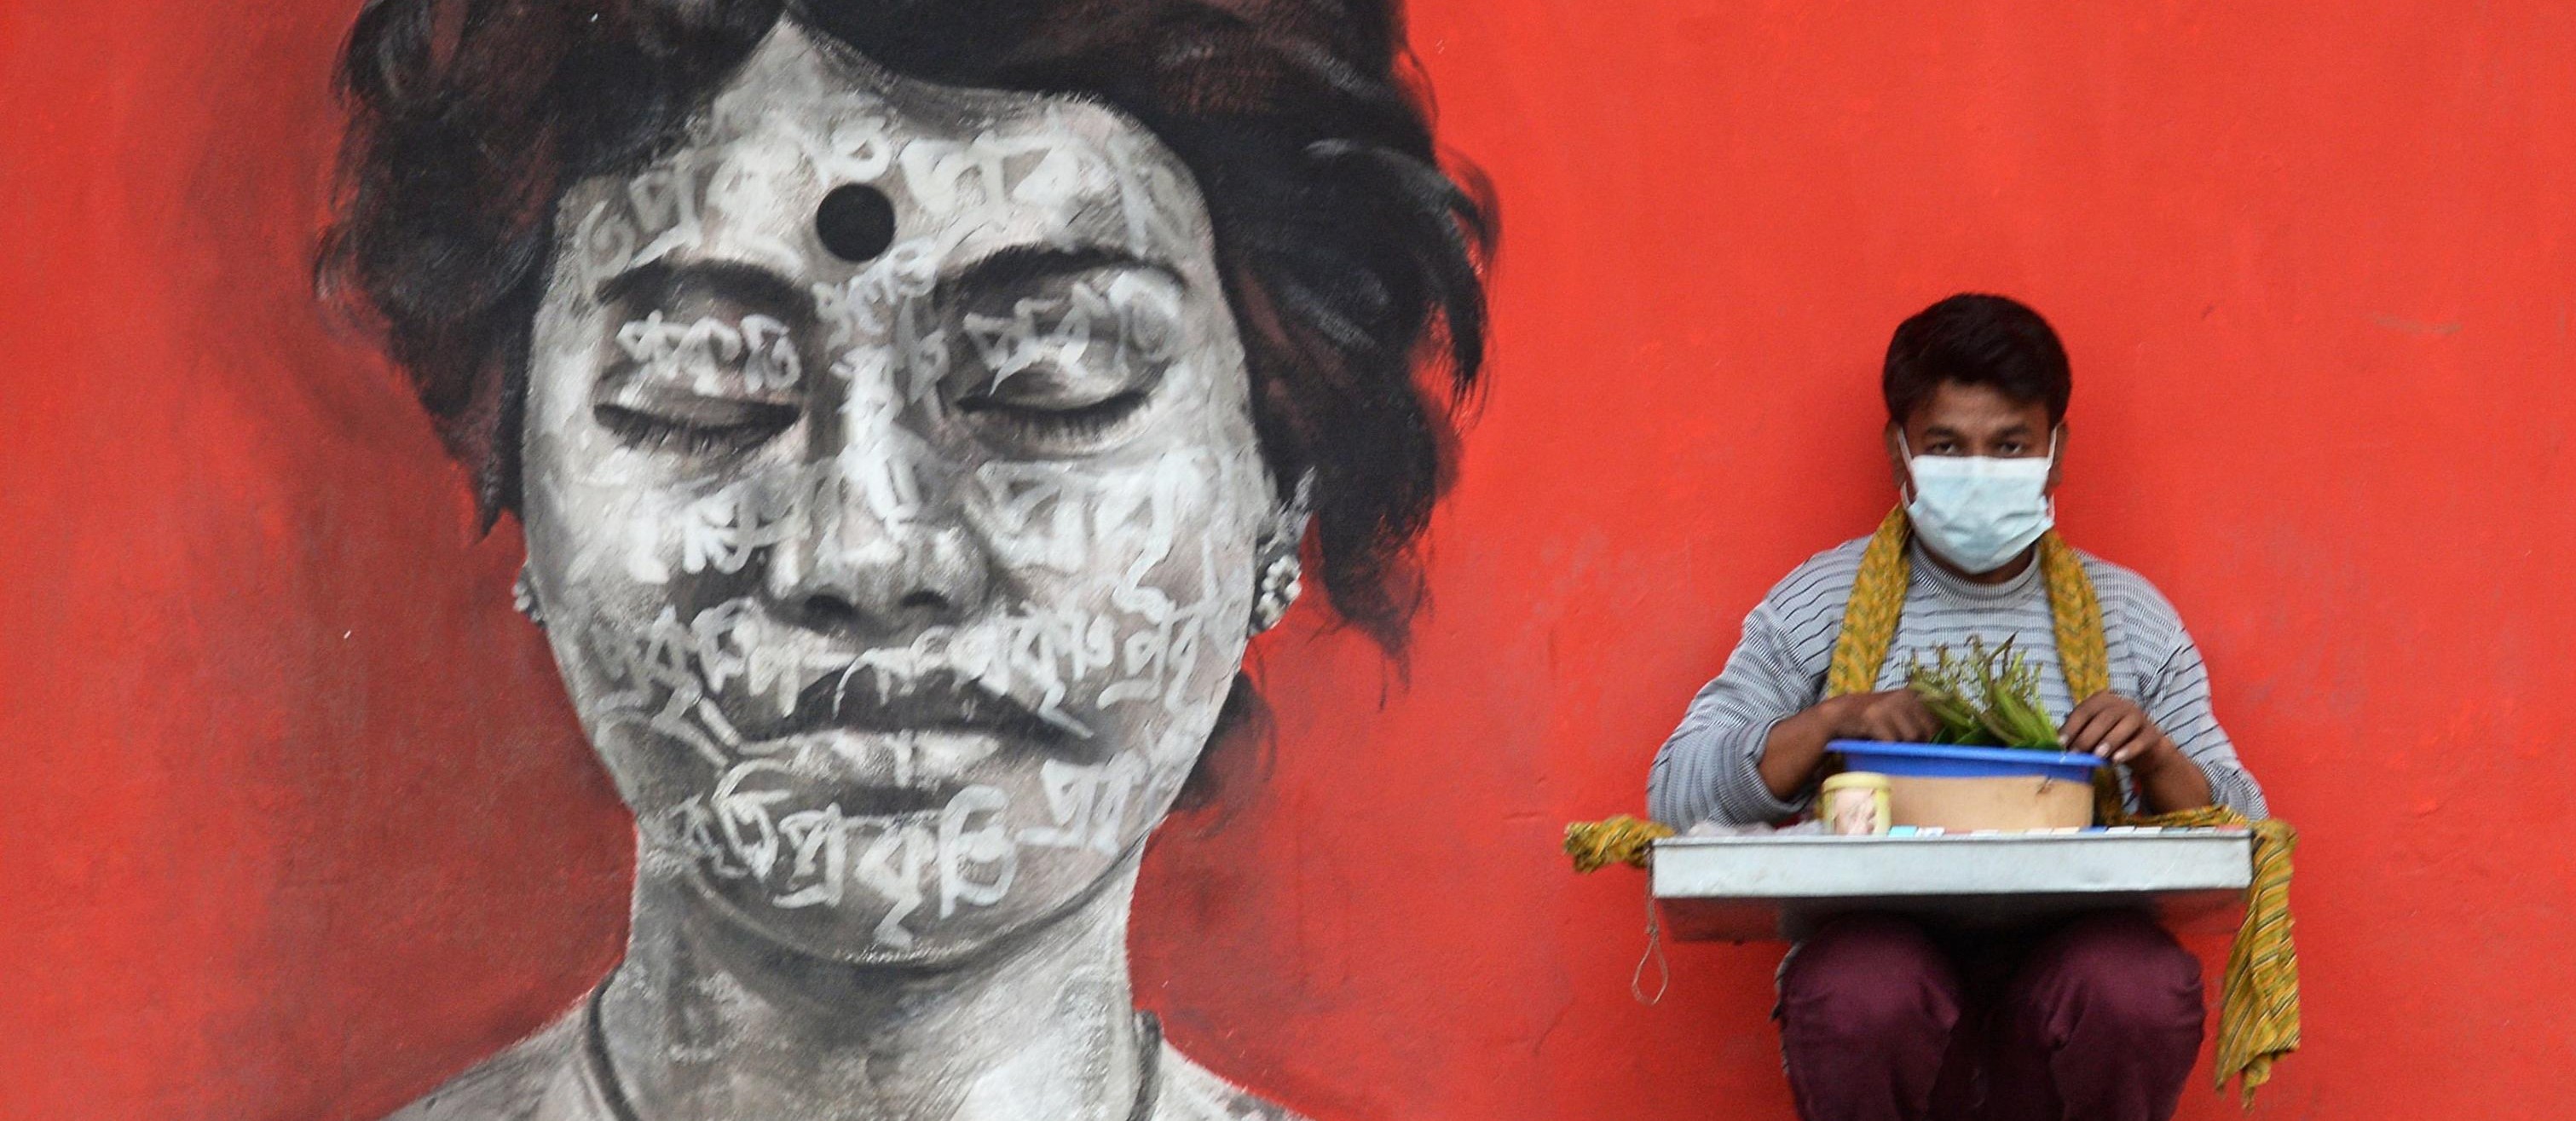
656 283
1021 266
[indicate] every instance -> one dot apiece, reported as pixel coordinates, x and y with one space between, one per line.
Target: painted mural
305 821
913 410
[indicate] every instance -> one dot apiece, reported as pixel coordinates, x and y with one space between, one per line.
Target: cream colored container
1856 804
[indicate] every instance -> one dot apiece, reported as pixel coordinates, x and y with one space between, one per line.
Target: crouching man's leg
1866 1009
2101 1022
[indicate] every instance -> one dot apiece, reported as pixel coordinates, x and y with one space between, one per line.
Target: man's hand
1895 716
1794 747
2115 728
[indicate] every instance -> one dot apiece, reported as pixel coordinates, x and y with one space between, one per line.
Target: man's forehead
1981 419
1964 406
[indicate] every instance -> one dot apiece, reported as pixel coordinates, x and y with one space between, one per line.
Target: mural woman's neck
704 1020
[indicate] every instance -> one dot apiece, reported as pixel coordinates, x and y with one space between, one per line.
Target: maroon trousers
2097 1019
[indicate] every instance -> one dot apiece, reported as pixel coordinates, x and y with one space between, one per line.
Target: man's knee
2118 972
1869 976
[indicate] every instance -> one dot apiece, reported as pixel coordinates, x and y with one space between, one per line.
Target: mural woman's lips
866 697
882 744
884 773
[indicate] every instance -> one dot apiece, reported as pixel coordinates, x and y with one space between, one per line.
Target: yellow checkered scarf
2258 1017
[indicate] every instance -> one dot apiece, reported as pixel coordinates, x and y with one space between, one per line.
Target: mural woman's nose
845 568
877 545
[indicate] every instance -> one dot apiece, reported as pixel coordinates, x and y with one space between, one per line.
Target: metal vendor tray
1752 888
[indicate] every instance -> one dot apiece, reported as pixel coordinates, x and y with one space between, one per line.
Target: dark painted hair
1976 339
1351 260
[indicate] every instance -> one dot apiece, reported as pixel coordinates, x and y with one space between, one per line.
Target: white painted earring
523 595
1281 582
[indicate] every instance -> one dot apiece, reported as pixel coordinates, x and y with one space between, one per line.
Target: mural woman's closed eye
1067 370
709 358
686 423
701 385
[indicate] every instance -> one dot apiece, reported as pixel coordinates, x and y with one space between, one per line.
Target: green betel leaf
1988 696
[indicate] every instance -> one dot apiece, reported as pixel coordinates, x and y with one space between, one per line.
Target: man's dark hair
1350 258
1976 339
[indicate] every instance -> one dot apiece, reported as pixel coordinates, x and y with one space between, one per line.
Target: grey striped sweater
1707 769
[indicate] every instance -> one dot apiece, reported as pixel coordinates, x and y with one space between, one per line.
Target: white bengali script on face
1113 580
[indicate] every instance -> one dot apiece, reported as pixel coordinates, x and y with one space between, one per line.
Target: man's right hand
1895 716
1796 745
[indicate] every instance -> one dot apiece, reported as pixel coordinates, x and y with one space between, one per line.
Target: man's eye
703 427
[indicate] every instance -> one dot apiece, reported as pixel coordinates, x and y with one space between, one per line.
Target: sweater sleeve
2177 699
1708 768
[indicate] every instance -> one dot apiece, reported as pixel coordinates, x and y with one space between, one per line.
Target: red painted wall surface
298 821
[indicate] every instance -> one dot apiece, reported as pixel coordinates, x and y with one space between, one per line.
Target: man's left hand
2115 728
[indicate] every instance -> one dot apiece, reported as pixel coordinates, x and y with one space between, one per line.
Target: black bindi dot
856 222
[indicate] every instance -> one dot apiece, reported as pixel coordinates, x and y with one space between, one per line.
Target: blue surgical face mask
1979 512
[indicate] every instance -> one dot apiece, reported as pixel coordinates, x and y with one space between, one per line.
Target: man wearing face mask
1881 1017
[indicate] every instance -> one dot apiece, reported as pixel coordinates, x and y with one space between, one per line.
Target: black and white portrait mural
913 407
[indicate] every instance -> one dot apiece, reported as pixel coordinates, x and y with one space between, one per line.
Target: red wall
298 821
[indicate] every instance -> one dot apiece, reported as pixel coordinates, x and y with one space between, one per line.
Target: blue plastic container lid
1934 760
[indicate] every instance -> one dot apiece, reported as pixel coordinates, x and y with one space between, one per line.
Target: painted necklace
603 1073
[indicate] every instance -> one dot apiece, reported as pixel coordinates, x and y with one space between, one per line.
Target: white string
1655 953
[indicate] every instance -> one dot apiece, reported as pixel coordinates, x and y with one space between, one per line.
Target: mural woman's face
892 499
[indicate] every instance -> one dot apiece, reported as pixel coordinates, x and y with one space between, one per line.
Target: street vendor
2098 1017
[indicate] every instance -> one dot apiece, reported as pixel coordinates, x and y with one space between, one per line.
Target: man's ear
2057 461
